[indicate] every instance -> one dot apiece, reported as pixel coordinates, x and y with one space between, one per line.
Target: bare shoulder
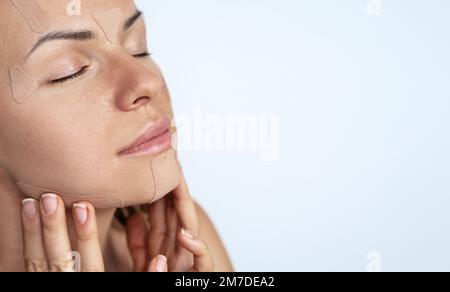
210 236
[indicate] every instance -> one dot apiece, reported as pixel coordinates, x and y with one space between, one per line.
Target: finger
137 240
88 244
185 206
157 233
56 237
33 246
158 264
203 261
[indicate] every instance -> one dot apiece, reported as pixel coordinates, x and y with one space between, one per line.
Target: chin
124 190
166 172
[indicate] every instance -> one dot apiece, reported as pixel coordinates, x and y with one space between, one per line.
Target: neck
11 242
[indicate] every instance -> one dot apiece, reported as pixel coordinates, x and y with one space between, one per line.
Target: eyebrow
79 35
130 21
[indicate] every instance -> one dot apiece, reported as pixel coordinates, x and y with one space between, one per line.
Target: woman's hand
169 236
47 245
165 241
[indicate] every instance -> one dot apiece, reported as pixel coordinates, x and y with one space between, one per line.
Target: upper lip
152 131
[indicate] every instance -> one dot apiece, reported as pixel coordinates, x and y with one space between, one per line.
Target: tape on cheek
22 84
33 14
101 202
132 184
108 22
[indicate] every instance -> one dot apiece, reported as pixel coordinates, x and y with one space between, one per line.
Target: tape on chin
33 14
101 202
165 173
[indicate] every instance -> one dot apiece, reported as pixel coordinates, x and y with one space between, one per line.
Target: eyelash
84 69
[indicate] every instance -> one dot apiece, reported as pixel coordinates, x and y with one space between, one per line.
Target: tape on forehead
33 14
109 21
22 84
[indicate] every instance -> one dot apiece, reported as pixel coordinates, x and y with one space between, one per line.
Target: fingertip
161 264
83 213
49 203
187 234
187 239
158 264
89 207
29 208
30 217
80 212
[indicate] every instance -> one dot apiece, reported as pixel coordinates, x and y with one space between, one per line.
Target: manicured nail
161 264
49 203
187 234
29 208
80 212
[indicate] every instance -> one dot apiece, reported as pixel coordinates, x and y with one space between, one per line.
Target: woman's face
70 104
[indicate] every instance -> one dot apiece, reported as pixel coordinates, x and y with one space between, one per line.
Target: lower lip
154 146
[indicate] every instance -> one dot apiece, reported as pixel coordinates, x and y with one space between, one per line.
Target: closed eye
70 77
84 69
142 55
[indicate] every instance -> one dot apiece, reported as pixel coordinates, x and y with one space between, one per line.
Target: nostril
141 100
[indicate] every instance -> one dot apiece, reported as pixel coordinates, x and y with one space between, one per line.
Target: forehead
23 22
61 12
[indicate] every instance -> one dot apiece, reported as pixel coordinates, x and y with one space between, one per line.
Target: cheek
70 148
40 148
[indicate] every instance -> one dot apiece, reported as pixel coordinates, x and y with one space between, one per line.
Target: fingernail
187 233
49 203
161 264
80 212
29 208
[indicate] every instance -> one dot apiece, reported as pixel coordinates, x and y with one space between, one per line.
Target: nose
139 84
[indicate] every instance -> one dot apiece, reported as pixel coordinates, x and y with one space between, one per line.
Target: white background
364 104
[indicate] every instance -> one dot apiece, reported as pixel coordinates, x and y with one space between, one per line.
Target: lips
156 138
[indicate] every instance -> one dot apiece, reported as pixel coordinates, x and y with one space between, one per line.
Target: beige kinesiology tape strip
108 22
163 171
165 174
99 201
33 14
23 85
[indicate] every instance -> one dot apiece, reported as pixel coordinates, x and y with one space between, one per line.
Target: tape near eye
108 22
33 14
22 84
